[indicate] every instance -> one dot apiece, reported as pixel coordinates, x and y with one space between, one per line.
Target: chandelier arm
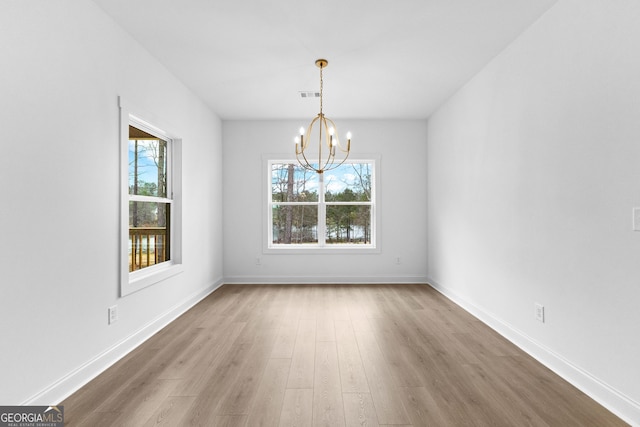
328 139
341 162
335 137
334 165
328 165
306 165
309 129
328 136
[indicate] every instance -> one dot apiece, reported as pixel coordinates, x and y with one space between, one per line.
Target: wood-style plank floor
329 355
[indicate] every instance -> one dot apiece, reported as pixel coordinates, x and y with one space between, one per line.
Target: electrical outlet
636 219
113 314
539 312
397 260
258 260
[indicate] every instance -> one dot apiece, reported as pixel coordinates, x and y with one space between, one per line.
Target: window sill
333 249
151 275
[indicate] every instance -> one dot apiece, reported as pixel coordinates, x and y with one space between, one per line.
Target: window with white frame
149 199
150 205
332 210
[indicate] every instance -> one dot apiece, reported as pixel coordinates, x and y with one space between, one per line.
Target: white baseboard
73 381
325 280
616 402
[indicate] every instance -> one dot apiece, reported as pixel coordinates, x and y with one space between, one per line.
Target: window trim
134 281
334 248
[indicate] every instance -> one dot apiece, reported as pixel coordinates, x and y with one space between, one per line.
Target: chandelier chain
321 84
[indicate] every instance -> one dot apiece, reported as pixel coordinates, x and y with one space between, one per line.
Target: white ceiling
248 59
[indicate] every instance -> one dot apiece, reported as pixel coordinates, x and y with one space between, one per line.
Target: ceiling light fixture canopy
324 158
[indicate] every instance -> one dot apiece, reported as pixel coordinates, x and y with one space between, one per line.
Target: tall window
335 209
149 199
151 203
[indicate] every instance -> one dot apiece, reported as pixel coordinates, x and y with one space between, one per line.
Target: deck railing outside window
147 247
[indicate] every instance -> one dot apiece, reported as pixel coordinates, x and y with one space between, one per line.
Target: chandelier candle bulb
331 141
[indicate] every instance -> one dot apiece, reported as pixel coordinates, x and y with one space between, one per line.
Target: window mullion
294 203
151 199
322 214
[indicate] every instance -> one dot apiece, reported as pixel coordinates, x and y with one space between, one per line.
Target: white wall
402 204
534 167
64 64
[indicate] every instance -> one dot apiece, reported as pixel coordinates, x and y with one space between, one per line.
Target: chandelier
324 158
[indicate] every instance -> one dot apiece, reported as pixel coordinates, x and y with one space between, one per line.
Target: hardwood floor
329 355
